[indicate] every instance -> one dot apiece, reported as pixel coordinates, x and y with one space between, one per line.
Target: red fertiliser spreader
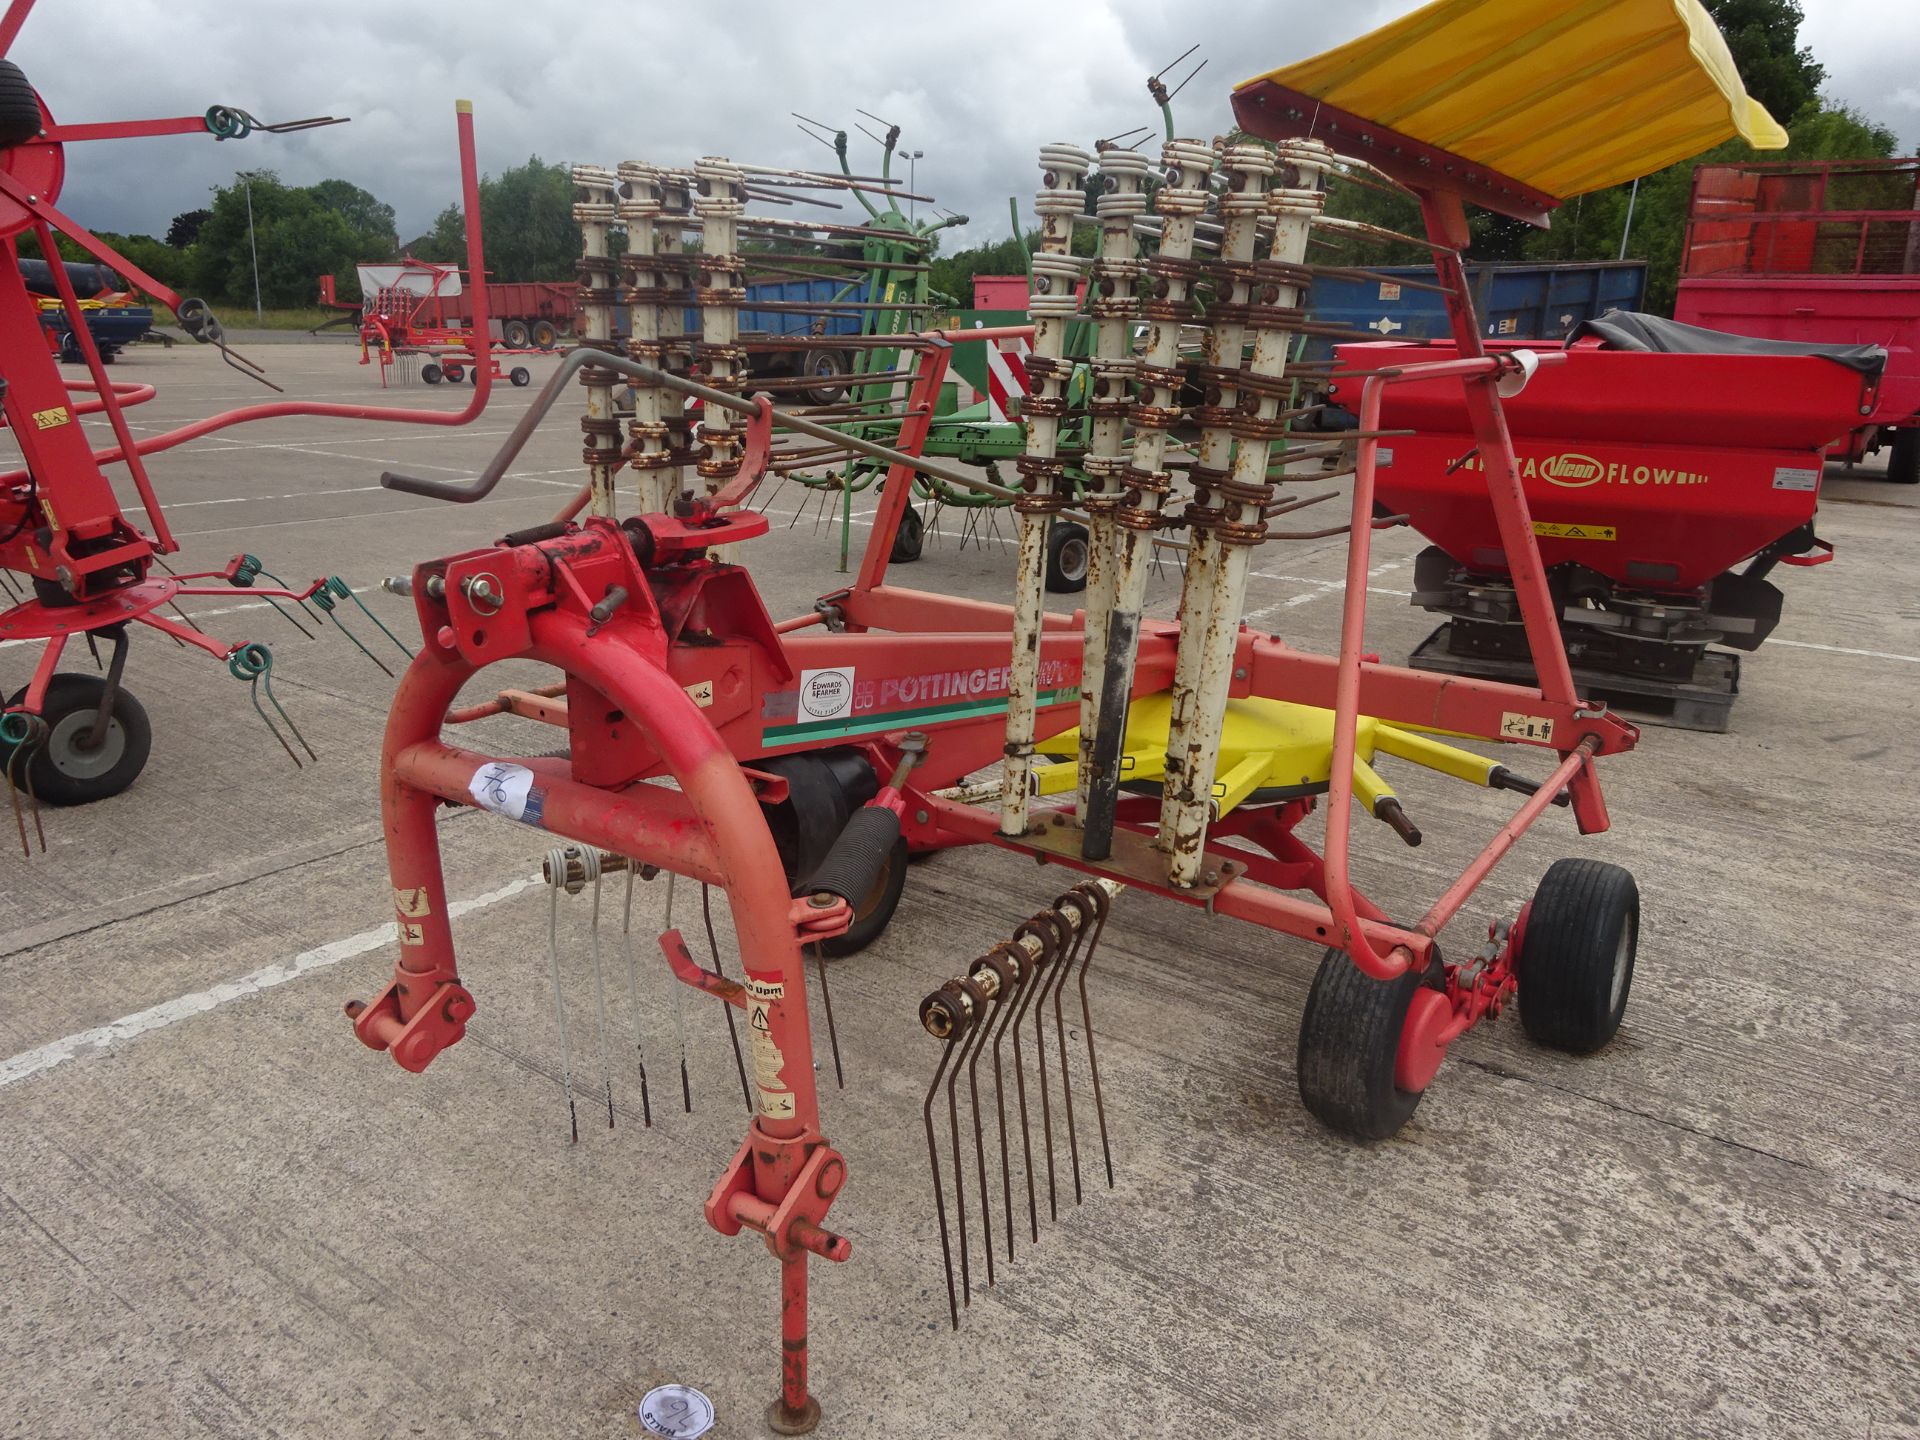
1668 470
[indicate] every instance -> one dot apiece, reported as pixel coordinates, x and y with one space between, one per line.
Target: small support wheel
1067 557
514 335
473 375
544 335
910 538
519 375
1349 1055
1574 957
430 373
64 769
454 373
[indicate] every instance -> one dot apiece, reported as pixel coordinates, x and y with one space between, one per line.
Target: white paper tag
506 789
679 1412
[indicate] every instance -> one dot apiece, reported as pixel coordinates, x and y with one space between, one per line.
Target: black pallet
1701 703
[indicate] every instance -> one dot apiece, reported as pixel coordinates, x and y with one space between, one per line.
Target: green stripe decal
895 719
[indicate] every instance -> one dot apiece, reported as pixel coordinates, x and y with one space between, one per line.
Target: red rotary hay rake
794 765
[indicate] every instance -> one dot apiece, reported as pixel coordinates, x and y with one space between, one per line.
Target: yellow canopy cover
1567 96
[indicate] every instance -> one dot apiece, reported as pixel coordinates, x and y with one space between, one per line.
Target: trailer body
1816 252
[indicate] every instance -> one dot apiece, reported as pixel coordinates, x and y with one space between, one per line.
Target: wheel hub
68 751
1422 1049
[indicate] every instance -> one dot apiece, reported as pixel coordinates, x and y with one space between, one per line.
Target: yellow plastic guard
1567 96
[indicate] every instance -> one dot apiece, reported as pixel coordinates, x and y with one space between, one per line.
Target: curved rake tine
939 1191
1101 904
1061 972
33 801
341 588
600 994
326 608
979 1137
826 1000
733 1034
1020 1075
969 1044
679 1013
286 615
1040 1058
558 861
633 995
1004 1017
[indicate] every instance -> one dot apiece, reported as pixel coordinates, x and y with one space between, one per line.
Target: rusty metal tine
600 993
1046 1102
1060 1030
939 1193
679 1012
1101 905
633 995
979 1137
13 794
733 1034
968 1044
826 999
559 1000
33 806
1020 1086
1004 1016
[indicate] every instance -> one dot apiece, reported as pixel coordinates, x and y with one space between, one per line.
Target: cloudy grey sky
977 85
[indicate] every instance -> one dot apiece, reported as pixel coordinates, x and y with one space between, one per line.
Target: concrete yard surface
220 1216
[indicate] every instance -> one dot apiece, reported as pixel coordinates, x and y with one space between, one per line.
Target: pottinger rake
90 571
795 765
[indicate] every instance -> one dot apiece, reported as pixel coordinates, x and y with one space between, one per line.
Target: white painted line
1843 650
171 1012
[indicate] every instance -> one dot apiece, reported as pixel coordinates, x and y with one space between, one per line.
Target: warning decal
1575 532
776 1100
1517 726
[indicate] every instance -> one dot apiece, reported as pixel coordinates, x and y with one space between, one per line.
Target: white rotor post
1062 167
1187 167
1112 304
676 206
1267 296
594 212
1241 203
650 457
720 199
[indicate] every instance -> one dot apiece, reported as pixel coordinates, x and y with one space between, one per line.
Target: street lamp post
246 184
913 157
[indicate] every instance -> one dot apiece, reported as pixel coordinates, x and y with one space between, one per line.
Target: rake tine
826 999
1004 1017
19 818
600 990
679 1015
733 1034
1101 905
287 616
1046 1102
93 649
1061 972
33 804
340 587
1033 927
939 1191
969 1043
633 994
1004 973
557 861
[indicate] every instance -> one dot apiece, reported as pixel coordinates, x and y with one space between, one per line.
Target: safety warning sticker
776 1100
1517 726
1575 532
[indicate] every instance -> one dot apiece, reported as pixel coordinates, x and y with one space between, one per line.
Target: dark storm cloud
977 86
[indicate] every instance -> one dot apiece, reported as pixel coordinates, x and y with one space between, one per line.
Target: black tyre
827 369
62 770
430 373
545 336
19 112
1903 465
1067 558
1575 964
909 538
519 375
454 373
473 375
1349 1044
874 912
514 334
70 353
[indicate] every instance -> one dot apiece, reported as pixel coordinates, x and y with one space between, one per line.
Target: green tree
526 218
185 228
1777 70
370 219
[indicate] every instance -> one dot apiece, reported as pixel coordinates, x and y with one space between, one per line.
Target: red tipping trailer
1817 251
1649 475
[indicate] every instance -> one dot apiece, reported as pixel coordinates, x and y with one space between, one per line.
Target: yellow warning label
52 419
412 903
1575 532
412 934
776 1100
701 693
